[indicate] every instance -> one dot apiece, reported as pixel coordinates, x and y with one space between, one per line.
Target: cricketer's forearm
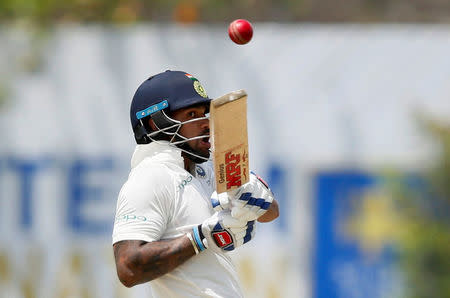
139 261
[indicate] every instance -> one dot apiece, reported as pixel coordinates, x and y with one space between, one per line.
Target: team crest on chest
200 171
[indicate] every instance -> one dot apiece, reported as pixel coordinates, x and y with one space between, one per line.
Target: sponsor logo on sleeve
130 217
185 182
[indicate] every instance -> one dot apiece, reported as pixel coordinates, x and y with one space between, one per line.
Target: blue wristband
197 239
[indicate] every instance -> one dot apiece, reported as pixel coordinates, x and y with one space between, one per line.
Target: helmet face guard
168 128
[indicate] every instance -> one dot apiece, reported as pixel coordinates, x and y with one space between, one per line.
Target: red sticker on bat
262 181
233 169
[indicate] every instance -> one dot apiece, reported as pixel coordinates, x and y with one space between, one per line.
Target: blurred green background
124 12
422 210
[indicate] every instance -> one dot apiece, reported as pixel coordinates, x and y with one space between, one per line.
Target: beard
193 158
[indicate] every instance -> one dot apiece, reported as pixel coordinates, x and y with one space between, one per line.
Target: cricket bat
228 126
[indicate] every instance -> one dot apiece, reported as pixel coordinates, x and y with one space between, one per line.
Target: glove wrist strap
198 237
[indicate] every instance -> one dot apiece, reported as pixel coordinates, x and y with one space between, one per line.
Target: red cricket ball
240 31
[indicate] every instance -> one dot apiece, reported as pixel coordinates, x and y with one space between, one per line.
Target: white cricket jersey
161 200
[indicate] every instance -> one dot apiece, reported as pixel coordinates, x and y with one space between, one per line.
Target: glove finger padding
246 235
222 232
220 201
254 199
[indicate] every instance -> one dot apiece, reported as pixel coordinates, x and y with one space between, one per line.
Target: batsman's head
157 113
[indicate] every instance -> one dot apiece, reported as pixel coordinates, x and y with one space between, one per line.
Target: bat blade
228 123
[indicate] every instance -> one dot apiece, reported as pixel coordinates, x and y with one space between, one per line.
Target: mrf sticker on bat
233 168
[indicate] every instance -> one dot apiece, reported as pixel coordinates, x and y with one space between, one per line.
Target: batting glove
221 232
246 203
252 199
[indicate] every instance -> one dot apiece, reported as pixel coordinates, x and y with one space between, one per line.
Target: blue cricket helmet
170 91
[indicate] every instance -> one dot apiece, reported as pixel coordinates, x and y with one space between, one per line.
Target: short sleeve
144 205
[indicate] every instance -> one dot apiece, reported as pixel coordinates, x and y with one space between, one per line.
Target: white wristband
192 242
